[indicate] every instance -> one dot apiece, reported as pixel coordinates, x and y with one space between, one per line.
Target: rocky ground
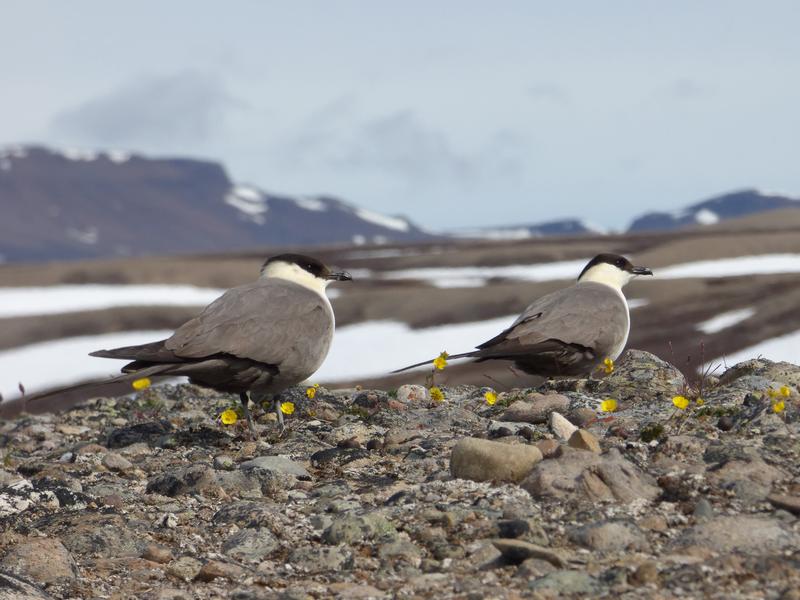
376 495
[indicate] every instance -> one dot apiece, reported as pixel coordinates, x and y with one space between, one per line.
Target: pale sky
454 113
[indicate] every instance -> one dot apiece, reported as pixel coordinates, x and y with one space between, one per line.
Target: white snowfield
62 362
762 264
725 320
782 348
569 269
27 301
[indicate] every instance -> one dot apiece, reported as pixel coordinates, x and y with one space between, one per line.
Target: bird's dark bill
340 276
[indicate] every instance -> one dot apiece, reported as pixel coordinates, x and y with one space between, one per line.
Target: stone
157 554
277 464
114 462
583 440
741 533
646 573
185 568
561 427
517 551
44 561
485 460
588 476
400 550
567 582
150 433
548 448
215 569
703 509
321 559
412 394
181 480
536 409
16 588
641 378
351 529
610 536
223 462
582 417
250 545
786 502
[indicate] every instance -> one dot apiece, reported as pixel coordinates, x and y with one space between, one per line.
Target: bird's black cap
622 263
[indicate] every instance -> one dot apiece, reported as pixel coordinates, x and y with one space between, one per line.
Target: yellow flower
608 405
141 384
772 393
608 366
680 402
436 394
229 417
785 391
311 391
700 402
440 362
491 397
778 406
287 408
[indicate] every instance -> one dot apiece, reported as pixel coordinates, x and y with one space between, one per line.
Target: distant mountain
77 204
714 210
565 227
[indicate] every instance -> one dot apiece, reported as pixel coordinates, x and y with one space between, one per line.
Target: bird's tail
473 354
67 397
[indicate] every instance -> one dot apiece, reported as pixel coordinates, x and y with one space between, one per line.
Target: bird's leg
245 398
276 403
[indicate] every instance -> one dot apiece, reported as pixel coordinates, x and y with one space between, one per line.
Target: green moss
651 431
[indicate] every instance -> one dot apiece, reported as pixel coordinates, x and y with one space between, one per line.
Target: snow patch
706 217
347 359
88 236
395 223
762 264
249 201
725 320
67 361
359 240
310 203
782 348
118 156
78 154
520 233
27 301
444 277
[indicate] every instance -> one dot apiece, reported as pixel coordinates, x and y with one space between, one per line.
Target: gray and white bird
259 338
571 331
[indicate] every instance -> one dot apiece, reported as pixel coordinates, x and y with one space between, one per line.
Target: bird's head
612 270
303 270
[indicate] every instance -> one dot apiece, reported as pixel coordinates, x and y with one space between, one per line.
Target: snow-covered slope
65 204
712 211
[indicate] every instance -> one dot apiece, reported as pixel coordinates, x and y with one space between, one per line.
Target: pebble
561 427
115 462
485 460
583 440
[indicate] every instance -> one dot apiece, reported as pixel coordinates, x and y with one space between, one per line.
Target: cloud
550 93
398 144
185 107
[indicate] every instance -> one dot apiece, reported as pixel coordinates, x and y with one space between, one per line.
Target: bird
571 331
256 339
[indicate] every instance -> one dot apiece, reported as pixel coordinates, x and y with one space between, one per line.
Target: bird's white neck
292 272
607 275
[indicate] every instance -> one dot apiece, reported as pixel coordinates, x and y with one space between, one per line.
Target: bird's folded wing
588 319
265 321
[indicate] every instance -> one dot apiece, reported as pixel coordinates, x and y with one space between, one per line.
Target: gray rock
412 394
783 372
15 588
609 536
400 550
98 534
642 378
223 462
115 462
42 560
246 513
517 551
742 533
186 568
321 559
536 409
251 545
583 440
351 529
585 475
182 480
277 464
485 460
567 582
703 510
